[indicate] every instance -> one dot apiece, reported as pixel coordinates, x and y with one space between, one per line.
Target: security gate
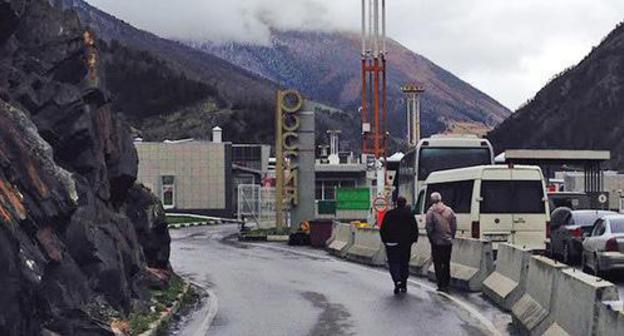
256 205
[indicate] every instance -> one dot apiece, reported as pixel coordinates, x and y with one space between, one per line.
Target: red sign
380 204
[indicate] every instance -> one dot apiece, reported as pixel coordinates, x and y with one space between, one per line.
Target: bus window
434 159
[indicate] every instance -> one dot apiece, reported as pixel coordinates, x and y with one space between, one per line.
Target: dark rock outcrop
78 239
148 216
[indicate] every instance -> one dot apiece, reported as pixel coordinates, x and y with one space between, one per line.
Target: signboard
286 125
599 200
380 204
294 159
352 199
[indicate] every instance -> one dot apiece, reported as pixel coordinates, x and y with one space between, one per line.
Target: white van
495 203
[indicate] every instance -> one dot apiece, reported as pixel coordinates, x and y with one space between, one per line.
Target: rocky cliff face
77 238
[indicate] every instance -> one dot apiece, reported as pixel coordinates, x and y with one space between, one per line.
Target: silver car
603 250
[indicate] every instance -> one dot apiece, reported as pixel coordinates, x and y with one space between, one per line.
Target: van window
457 195
512 197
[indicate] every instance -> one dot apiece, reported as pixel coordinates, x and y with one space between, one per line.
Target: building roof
340 168
556 155
476 172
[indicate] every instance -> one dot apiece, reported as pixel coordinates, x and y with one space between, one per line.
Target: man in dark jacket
399 231
441 227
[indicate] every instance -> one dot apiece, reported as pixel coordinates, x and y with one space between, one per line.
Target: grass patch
183 219
257 233
168 296
140 321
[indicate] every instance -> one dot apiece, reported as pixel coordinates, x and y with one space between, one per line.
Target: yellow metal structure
289 103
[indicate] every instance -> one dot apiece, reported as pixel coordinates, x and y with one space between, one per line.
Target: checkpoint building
189 176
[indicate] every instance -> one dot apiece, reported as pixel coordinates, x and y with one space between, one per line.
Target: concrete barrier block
421 256
341 240
472 261
610 320
507 284
577 299
332 237
367 248
532 309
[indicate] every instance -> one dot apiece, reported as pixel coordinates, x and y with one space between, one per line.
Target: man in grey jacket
441 226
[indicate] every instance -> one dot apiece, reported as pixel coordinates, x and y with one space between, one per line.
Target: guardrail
421 256
367 248
472 261
342 238
508 281
545 297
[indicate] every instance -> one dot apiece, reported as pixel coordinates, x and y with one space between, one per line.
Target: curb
166 315
206 222
213 308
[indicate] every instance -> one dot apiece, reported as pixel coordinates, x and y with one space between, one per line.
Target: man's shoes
442 289
403 289
397 287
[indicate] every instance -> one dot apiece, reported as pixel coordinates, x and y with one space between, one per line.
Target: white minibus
494 202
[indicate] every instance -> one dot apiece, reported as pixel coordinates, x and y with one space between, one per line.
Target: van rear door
530 213
495 216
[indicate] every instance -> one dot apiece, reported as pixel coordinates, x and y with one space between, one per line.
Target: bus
440 152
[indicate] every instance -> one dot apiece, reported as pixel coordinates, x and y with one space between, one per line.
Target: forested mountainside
581 108
326 67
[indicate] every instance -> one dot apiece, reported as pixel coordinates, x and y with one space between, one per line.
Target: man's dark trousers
442 264
398 262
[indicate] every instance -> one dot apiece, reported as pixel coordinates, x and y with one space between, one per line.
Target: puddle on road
334 318
232 240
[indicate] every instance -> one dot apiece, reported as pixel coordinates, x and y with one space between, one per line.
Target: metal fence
256 205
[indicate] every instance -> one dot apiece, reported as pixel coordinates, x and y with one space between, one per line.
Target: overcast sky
507 48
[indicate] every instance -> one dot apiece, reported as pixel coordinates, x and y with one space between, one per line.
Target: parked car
603 249
568 230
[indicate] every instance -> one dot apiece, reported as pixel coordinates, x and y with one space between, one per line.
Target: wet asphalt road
273 289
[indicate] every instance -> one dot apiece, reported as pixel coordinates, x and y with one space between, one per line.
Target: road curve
272 289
